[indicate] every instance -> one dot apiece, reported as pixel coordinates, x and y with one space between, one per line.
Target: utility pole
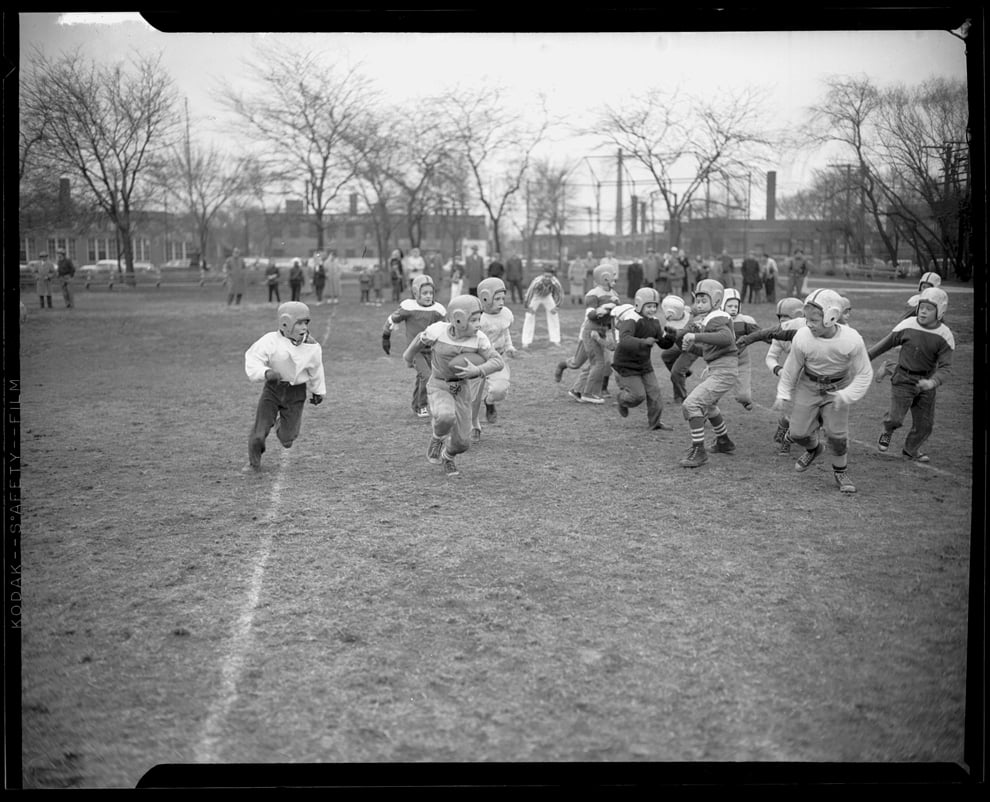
846 223
618 196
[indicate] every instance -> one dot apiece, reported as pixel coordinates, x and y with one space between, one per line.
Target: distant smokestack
772 195
353 203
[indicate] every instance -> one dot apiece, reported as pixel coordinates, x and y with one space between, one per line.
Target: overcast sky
577 71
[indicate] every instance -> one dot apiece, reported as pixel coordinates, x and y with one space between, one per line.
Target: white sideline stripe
326 337
234 657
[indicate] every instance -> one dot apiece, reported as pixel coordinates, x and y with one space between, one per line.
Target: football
465 359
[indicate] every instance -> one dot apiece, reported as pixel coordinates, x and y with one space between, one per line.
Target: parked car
179 264
111 272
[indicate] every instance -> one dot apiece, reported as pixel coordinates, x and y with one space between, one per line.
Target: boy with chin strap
826 371
290 363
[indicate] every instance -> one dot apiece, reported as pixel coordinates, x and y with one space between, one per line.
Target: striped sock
720 430
698 436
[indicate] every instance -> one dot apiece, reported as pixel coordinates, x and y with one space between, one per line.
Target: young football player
448 389
417 313
496 322
827 370
718 348
544 292
742 325
926 281
677 318
290 363
596 330
638 330
924 362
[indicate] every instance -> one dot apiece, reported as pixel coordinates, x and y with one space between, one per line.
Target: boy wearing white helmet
449 387
290 363
677 319
827 370
926 281
718 348
924 362
496 322
742 325
790 317
596 340
417 313
638 331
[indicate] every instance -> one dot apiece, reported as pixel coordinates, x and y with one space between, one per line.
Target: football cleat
695 457
805 460
433 452
883 442
843 483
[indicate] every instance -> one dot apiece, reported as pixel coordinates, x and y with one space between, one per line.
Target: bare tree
377 153
104 125
202 179
496 145
304 114
683 143
897 139
923 140
550 200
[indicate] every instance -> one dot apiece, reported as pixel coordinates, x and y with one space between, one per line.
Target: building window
473 228
28 250
101 248
348 230
56 244
349 253
142 249
294 229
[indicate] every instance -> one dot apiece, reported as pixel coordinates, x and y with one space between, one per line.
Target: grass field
574 597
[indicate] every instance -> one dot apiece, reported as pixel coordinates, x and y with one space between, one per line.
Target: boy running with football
459 353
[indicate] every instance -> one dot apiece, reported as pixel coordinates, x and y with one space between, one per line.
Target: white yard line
239 645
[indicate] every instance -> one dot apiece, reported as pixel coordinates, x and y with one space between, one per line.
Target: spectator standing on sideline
456 277
413 265
651 271
797 274
334 270
495 268
514 277
751 282
319 277
396 275
434 269
379 277
770 273
634 277
474 270
577 272
44 275
295 279
235 274
728 270
271 281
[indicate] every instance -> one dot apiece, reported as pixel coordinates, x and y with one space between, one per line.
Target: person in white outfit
545 292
